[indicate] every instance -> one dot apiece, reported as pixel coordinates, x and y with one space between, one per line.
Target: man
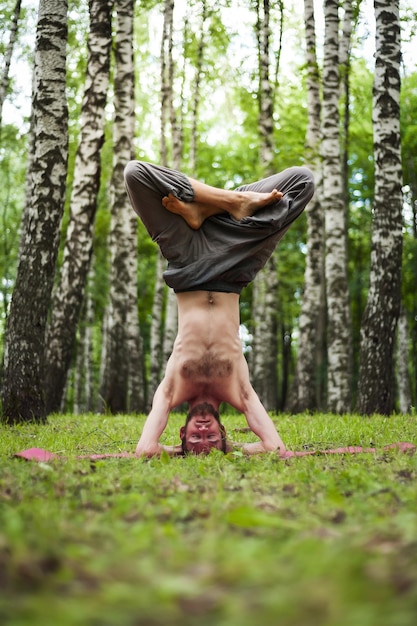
215 242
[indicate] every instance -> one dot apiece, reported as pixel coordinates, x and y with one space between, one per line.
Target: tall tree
166 114
84 378
125 376
69 294
409 162
265 286
376 368
345 43
312 316
176 126
23 397
337 293
403 370
156 331
197 88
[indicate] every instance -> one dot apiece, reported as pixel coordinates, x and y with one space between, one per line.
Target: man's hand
156 450
258 447
148 450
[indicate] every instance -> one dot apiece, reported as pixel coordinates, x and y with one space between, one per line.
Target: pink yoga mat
38 454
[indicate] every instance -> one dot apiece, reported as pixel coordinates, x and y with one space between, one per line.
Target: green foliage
230 540
12 194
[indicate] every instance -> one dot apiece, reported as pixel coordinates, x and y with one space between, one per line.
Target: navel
210 297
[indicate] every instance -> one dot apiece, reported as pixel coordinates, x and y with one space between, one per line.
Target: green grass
214 541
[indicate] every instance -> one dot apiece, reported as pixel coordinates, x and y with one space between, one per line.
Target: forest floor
325 540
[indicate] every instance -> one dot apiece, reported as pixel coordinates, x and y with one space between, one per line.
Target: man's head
202 430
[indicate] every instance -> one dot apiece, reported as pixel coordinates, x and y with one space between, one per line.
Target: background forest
227 92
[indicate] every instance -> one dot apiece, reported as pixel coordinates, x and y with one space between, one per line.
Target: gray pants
224 254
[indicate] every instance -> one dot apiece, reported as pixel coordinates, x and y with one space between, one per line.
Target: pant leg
146 185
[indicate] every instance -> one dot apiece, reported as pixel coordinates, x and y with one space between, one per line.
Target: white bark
403 369
196 90
124 349
339 323
23 398
265 287
69 294
171 324
156 347
264 345
376 370
312 315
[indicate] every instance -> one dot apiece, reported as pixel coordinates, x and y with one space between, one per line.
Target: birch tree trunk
338 320
159 347
69 294
176 123
166 75
344 69
376 366
196 90
156 343
264 344
265 93
265 286
84 394
79 389
403 370
124 352
4 83
23 397
313 308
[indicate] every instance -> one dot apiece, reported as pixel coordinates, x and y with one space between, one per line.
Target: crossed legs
209 201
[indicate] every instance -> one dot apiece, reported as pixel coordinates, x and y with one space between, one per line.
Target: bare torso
207 362
207 365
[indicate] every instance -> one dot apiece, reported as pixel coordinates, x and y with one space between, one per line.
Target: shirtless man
215 242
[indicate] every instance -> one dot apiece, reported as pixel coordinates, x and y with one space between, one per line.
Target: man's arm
257 417
155 425
244 398
262 426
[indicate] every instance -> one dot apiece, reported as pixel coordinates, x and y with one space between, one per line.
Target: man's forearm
153 428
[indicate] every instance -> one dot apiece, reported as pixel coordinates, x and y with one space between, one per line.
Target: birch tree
83 392
265 286
69 293
312 316
344 69
376 367
124 362
166 114
197 89
338 313
403 370
23 398
176 127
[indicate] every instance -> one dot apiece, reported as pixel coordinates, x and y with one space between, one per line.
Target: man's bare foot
248 202
239 204
190 211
